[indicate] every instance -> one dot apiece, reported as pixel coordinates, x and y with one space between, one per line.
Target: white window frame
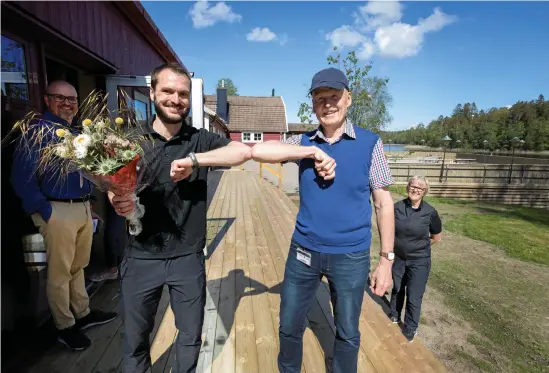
252 137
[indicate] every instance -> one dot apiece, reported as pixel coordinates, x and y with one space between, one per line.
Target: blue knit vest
335 216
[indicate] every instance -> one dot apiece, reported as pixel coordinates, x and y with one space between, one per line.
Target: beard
166 118
67 115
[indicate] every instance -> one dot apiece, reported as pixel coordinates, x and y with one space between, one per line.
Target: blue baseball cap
329 78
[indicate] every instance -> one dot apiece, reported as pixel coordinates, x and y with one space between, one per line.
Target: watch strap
192 156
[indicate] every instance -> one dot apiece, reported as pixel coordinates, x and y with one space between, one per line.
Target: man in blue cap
333 228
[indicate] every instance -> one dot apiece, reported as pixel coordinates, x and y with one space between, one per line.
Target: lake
394 148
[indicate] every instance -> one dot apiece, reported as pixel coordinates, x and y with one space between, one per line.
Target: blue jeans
347 275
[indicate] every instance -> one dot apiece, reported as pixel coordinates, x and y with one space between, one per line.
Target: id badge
304 257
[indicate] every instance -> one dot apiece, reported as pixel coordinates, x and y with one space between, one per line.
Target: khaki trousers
68 239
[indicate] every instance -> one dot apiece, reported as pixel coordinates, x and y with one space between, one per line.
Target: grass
511 342
498 292
522 232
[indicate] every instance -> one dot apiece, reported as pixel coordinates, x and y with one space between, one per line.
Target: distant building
250 119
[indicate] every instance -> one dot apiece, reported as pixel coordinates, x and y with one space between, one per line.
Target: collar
148 129
409 203
349 131
48 116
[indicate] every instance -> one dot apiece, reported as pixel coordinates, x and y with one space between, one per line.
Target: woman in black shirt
417 228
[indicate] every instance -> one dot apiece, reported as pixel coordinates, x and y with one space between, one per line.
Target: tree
227 83
527 120
371 97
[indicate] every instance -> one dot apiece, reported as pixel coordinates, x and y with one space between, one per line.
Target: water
394 148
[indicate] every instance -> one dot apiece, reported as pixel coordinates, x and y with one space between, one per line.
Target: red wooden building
105 45
250 119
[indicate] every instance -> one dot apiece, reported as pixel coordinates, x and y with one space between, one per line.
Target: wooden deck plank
261 278
59 359
246 351
250 224
383 342
313 357
215 267
224 351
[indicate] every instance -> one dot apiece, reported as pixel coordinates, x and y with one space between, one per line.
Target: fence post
484 175
521 173
260 170
408 174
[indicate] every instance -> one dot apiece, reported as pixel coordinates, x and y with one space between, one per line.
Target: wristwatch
192 156
389 255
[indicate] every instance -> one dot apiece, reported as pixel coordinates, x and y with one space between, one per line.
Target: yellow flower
60 132
119 121
87 122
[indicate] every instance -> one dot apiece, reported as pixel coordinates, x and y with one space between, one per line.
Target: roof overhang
143 22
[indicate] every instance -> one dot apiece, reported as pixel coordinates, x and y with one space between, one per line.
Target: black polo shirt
413 229
174 222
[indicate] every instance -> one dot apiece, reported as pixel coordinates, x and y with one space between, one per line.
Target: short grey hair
420 178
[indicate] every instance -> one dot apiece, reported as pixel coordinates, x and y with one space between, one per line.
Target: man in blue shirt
60 209
340 167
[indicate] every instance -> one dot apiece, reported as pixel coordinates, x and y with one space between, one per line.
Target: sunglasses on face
61 98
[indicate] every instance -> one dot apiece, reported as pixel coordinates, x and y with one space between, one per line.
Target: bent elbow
246 153
257 152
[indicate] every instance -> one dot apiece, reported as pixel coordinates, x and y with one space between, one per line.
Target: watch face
391 256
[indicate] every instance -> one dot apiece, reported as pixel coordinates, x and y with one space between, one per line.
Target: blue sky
435 54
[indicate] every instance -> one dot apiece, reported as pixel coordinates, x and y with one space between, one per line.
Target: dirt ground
483 310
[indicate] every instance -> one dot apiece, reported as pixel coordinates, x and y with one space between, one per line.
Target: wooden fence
279 173
512 194
484 174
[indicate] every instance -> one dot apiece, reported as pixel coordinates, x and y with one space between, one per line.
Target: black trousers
410 280
142 284
116 237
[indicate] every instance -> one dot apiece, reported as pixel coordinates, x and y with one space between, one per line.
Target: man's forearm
233 154
385 217
276 151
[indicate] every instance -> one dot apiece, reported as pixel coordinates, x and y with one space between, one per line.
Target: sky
435 54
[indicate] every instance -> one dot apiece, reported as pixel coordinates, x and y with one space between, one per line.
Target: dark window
14 70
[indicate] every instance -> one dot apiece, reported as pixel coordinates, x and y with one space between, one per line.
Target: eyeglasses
414 188
61 98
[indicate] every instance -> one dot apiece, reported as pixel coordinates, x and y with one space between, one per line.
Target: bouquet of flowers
105 150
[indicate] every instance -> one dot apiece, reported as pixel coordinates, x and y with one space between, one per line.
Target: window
252 137
14 70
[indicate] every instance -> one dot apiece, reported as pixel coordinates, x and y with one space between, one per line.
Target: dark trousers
116 237
142 284
347 275
410 280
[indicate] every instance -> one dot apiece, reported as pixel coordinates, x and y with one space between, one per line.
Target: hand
123 205
381 280
181 169
324 165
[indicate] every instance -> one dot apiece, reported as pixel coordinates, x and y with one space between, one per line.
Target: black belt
70 200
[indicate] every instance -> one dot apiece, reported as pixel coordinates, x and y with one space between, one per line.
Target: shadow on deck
249 228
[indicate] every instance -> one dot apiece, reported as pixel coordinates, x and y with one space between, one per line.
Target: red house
250 119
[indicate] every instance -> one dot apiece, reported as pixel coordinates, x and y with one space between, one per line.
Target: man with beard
60 209
169 250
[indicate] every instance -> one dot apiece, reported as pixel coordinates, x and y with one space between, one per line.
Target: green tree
227 83
371 97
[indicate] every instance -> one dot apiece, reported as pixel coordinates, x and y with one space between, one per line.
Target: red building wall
100 27
267 136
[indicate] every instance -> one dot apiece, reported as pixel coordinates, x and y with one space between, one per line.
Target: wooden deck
250 223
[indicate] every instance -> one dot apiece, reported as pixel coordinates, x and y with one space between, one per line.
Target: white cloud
378 30
345 36
264 35
204 15
261 34
378 13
